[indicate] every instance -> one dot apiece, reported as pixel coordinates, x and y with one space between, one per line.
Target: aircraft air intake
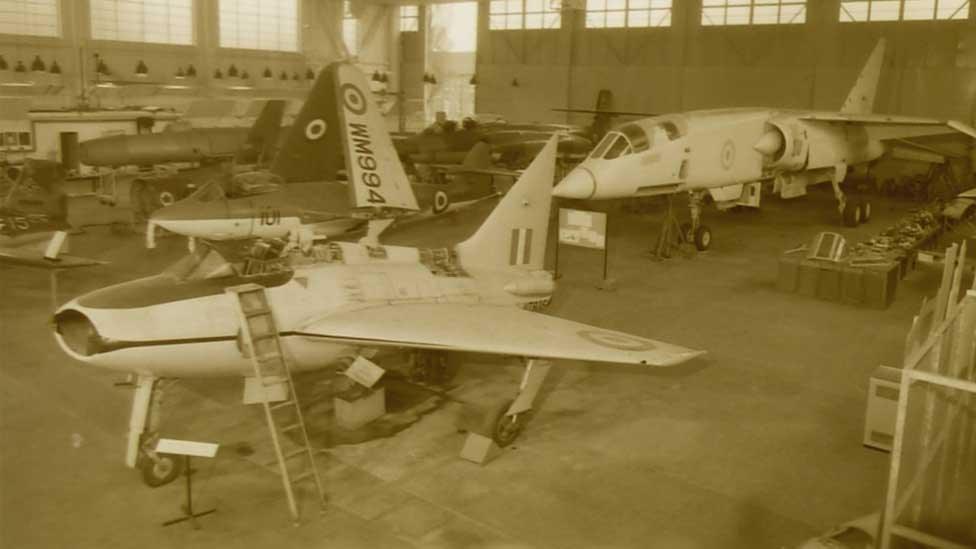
783 145
77 332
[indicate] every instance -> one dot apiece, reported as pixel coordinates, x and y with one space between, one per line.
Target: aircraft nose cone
578 184
103 151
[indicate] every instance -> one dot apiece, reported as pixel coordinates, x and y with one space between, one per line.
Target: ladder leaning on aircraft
337 300
728 153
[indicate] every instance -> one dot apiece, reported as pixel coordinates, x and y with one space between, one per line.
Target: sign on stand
584 229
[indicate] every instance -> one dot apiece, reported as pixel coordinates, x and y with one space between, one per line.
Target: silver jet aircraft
728 153
335 301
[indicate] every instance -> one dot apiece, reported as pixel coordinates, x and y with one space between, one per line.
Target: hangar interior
833 405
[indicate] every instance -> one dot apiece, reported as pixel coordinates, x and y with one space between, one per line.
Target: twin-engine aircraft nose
579 184
77 332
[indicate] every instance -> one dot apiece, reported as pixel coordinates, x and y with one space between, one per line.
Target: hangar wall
319 43
930 67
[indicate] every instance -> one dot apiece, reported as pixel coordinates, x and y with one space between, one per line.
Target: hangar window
155 21
259 24
601 14
409 18
858 11
350 28
753 12
523 14
30 17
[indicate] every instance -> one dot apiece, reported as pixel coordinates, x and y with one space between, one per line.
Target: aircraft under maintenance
198 145
301 195
336 301
216 152
729 153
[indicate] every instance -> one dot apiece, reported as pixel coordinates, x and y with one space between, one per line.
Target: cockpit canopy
252 183
239 185
634 138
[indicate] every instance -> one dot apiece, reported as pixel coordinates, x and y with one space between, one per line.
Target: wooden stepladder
262 343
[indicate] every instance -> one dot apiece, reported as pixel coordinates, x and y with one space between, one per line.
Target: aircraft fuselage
182 323
712 149
323 206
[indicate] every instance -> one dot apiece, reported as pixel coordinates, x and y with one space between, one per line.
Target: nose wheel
156 469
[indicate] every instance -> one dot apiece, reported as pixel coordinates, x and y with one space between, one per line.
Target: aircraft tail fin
478 157
377 180
263 136
312 149
515 233
860 100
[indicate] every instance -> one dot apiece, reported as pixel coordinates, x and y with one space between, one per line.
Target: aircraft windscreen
603 145
203 263
637 137
620 147
209 192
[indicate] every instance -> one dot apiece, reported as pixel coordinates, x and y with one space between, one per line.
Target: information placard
186 447
583 228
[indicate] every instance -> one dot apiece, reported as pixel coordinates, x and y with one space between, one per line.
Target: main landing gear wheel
865 211
853 214
160 469
506 428
702 238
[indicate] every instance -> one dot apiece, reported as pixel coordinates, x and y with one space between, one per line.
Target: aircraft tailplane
516 231
860 100
478 157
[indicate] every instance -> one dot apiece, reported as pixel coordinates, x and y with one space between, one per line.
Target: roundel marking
353 98
620 342
166 198
441 202
728 154
315 129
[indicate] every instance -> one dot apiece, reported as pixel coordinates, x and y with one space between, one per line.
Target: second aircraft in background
728 153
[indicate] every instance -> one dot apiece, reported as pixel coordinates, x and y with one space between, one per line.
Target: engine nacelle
784 145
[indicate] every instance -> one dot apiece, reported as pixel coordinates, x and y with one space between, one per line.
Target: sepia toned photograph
488 274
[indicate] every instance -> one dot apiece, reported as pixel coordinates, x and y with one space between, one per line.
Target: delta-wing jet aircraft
333 131
337 300
728 153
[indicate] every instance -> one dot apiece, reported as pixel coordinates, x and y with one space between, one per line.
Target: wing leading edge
493 330
886 127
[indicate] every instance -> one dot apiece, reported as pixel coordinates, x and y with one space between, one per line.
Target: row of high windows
273 24
250 24
546 14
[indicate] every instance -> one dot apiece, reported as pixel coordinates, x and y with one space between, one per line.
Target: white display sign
583 228
186 448
364 372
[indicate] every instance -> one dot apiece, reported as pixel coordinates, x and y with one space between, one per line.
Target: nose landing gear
156 469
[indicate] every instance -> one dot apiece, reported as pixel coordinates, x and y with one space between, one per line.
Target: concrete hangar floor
758 444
